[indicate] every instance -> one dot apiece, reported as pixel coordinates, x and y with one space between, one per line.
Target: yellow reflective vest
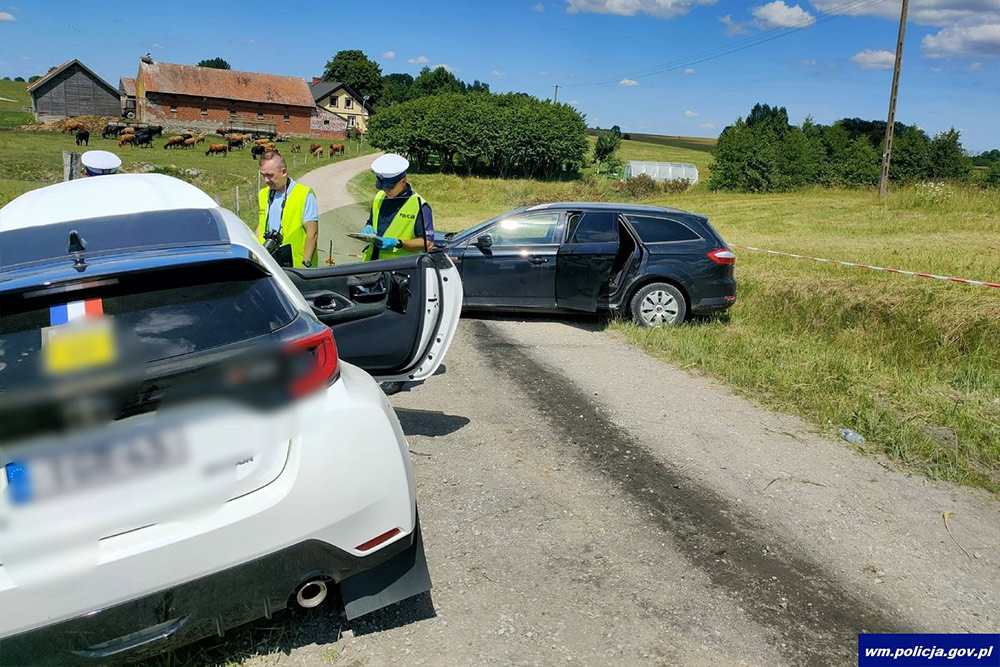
400 228
293 233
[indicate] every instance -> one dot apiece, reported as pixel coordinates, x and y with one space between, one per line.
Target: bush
675 187
992 179
637 187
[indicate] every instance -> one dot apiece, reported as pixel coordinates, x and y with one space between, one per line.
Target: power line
847 8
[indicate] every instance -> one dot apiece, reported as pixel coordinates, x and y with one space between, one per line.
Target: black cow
110 131
256 151
235 143
155 130
83 137
144 138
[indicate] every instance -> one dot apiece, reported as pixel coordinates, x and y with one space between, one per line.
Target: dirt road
584 503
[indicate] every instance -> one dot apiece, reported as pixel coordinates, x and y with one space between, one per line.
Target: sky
677 67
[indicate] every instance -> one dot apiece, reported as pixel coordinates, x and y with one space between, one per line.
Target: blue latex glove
387 243
368 230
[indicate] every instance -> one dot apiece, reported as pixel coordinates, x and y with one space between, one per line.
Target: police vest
292 231
400 228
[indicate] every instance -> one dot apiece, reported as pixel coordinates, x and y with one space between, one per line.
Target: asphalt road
584 503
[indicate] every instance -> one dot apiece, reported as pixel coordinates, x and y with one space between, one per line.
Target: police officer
289 208
98 163
400 217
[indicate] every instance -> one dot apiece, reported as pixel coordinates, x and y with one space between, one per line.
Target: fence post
237 200
71 165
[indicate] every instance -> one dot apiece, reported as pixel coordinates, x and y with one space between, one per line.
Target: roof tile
225 84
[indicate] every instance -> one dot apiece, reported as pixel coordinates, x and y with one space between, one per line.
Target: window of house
350 121
326 122
333 102
173 109
204 111
260 116
287 119
348 103
232 114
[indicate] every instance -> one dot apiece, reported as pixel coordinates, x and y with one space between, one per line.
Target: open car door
394 318
586 259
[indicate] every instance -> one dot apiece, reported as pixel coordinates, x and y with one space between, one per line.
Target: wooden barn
73 89
203 98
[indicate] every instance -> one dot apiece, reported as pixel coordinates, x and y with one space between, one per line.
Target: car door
395 318
585 261
513 263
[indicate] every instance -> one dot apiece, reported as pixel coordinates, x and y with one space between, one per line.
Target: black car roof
616 206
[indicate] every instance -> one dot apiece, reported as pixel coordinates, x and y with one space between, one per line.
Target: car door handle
539 260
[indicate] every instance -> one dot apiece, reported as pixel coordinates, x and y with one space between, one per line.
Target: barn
203 99
126 88
73 89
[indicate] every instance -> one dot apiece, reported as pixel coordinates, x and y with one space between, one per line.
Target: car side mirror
485 241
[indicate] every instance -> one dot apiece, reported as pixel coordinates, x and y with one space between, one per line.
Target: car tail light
314 362
722 256
381 539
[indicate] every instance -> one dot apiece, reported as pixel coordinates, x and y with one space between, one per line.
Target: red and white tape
963 281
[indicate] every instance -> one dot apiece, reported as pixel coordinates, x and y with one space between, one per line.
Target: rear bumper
712 305
210 605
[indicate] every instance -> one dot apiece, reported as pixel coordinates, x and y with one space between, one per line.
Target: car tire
658 305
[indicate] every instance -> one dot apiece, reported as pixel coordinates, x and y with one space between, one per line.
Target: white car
185 446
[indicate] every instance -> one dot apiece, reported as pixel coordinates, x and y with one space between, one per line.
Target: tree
33 78
358 71
615 130
214 63
19 79
605 147
948 159
396 88
911 156
477 86
436 81
992 179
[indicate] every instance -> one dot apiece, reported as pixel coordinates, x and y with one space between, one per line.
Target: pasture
15 99
912 364
30 160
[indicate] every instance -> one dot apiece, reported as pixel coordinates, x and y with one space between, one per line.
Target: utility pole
887 149
556 98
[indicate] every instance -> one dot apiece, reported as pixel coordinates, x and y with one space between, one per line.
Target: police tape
963 281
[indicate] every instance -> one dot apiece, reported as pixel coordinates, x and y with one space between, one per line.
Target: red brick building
203 99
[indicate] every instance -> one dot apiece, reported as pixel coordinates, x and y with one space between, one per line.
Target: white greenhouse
661 171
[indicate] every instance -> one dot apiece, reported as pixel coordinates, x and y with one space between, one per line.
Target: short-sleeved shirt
423 226
274 209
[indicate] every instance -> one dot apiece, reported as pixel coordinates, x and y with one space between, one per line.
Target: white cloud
779 15
419 60
573 102
445 66
964 39
707 126
539 7
7 16
389 54
690 114
628 82
733 27
246 40
497 72
940 13
975 67
869 59
689 70
808 62
664 9
159 46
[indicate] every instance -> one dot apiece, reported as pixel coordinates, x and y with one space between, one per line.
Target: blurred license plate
78 346
83 468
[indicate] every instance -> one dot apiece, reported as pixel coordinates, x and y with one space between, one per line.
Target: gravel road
584 503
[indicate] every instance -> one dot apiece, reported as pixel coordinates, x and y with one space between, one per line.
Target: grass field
912 364
12 113
29 160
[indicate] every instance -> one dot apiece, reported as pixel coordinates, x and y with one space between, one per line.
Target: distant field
634 149
17 91
29 160
703 144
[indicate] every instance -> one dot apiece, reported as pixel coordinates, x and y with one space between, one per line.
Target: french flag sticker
74 310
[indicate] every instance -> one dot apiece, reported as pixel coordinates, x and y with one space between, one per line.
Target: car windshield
152 315
471 231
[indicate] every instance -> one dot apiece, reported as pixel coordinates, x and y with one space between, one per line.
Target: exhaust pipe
311 594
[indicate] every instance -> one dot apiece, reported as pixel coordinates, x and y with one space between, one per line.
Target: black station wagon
658 265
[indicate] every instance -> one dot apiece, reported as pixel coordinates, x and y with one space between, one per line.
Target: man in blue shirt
283 199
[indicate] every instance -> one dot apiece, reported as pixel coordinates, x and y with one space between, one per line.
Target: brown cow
316 150
217 148
296 148
175 140
189 142
261 142
200 139
126 139
74 126
336 148
222 131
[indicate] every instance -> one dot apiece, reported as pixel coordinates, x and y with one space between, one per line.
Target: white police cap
100 162
390 166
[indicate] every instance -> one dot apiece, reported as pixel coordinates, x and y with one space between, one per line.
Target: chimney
316 80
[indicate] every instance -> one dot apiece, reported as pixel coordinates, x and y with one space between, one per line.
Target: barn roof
127 86
225 84
66 65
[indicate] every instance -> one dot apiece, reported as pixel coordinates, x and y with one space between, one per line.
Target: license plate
78 346
85 468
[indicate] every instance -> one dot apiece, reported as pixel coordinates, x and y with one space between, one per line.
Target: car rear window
653 229
156 314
